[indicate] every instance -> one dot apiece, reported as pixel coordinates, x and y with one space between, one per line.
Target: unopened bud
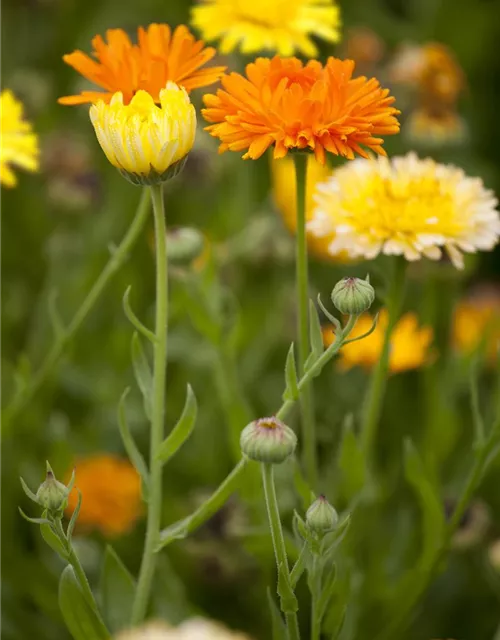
52 494
353 296
268 440
185 244
321 517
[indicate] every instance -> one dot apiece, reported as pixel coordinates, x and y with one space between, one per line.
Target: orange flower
160 56
111 494
476 324
284 103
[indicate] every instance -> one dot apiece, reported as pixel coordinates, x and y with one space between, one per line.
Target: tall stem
158 412
113 265
375 398
277 538
302 283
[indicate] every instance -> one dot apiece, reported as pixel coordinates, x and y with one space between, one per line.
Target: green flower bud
184 245
52 494
321 517
352 296
268 440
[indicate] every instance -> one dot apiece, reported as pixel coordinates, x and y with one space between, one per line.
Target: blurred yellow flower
405 206
410 344
19 145
147 143
194 629
111 494
435 127
283 175
281 26
477 322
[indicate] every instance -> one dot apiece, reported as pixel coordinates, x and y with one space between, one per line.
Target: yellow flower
111 494
410 344
476 322
405 206
283 174
195 628
146 142
281 26
435 127
19 145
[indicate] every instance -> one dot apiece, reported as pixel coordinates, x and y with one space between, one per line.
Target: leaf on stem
142 372
327 593
364 335
336 323
134 320
289 603
182 430
53 540
33 520
278 626
292 389
28 491
315 333
299 566
117 587
74 517
129 443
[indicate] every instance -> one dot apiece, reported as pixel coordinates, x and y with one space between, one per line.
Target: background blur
58 227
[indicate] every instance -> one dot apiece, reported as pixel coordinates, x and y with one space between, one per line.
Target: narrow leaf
117 588
28 491
332 318
288 600
33 520
292 389
74 517
142 372
327 592
129 443
82 621
278 627
53 540
182 430
299 566
315 333
134 320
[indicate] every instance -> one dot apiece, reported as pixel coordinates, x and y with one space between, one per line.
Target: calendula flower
436 127
410 344
159 56
193 629
284 193
282 26
111 494
405 206
19 145
289 105
477 322
146 142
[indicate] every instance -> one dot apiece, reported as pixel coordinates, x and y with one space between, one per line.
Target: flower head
353 296
283 103
147 143
159 56
268 440
192 629
477 322
405 206
19 145
283 26
409 348
111 494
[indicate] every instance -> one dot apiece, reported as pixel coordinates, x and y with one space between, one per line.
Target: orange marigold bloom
111 494
159 56
284 103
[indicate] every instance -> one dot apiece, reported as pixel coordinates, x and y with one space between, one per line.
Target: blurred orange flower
410 344
290 105
111 494
160 56
477 323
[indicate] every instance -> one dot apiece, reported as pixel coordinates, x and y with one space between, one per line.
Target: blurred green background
58 227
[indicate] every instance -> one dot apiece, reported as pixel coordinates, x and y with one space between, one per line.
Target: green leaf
182 430
300 565
299 526
117 591
53 540
278 626
74 517
292 389
433 524
289 602
327 592
33 520
351 463
134 320
129 443
315 333
143 373
82 621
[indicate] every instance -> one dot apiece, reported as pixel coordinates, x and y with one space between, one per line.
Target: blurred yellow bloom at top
281 26
146 142
476 323
409 349
405 206
284 185
193 629
19 145
111 494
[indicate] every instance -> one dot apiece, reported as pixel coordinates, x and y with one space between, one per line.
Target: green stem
113 265
315 591
278 538
158 412
302 283
376 392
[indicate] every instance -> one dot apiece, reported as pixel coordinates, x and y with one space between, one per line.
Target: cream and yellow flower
146 142
405 206
19 145
410 345
281 26
193 629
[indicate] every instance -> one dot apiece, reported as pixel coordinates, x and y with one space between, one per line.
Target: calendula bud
184 245
353 296
321 517
52 494
268 440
